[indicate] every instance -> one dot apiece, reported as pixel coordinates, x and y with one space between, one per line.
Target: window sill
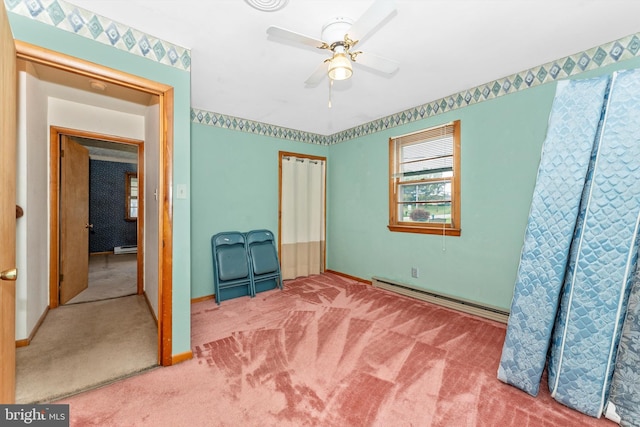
425 230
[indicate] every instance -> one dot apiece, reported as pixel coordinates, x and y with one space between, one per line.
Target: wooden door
8 108
74 219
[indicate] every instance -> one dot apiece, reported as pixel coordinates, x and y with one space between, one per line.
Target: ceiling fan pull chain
330 86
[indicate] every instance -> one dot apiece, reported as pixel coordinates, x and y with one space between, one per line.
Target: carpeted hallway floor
110 276
82 346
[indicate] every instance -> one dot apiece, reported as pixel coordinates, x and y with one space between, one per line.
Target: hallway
110 276
83 346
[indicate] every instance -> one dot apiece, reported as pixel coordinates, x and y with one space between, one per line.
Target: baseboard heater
130 249
444 300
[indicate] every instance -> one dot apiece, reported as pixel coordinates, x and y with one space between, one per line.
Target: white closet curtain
302 220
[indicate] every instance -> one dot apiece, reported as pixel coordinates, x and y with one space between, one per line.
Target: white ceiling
77 88
443 47
109 151
62 84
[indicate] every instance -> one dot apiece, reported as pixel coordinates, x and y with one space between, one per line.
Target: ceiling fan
340 36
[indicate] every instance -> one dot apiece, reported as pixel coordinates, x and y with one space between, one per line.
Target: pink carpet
328 351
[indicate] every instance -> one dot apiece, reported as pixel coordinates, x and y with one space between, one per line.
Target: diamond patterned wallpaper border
235 123
600 56
68 17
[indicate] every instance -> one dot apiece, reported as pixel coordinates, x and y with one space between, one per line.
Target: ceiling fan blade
372 18
318 75
292 36
378 63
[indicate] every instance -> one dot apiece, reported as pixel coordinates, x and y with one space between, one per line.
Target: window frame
453 229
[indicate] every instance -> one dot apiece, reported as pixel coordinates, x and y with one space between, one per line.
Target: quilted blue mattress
566 153
602 258
624 397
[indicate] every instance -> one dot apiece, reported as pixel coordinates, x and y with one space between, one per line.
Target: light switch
181 191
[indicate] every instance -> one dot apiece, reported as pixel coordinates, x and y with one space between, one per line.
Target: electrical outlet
414 272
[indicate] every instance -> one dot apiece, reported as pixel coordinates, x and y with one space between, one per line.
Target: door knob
11 274
89 226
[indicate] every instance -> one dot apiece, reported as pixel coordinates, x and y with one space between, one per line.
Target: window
131 196
424 181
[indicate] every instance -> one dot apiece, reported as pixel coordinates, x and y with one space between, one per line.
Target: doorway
85 343
110 261
302 214
76 70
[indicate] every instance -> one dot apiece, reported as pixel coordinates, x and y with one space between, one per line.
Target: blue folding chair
231 271
263 257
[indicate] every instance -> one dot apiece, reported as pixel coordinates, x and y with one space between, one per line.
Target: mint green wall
234 187
500 150
501 145
52 38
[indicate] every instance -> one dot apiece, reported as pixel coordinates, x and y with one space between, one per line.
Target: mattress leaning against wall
602 259
624 398
567 150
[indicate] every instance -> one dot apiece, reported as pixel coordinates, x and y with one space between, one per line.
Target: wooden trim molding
150 307
395 223
165 273
348 276
202 299
54 192
425 230
182 357
25 342
40 55
36 54
54 221
301 155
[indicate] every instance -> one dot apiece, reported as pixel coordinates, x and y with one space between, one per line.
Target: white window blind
423 154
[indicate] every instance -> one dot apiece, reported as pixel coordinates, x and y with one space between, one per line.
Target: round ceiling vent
267 5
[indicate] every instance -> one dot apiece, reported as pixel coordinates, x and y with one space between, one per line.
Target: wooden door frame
39 55
54 203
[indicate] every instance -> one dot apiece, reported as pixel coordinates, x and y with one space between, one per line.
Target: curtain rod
315 162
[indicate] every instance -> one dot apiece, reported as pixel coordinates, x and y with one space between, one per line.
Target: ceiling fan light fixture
340 67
